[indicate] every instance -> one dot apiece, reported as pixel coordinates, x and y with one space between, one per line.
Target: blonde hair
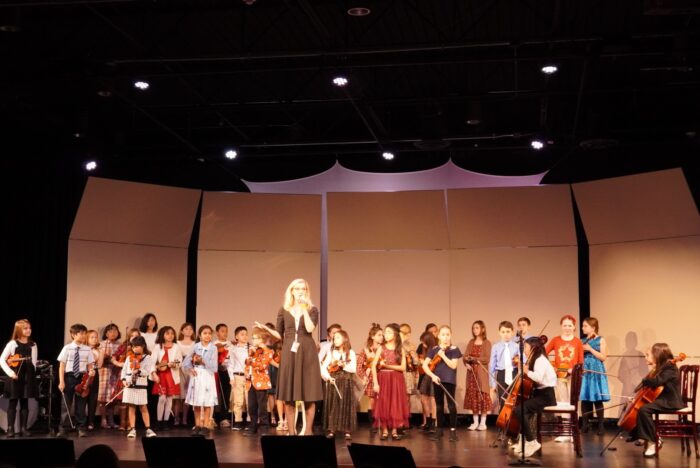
17 332
289 299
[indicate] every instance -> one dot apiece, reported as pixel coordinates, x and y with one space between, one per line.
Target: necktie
508 365
76 362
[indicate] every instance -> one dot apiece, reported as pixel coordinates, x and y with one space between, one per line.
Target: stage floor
472 450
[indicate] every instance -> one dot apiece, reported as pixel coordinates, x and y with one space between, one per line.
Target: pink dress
391 403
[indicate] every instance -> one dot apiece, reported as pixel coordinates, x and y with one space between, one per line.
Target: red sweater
566 353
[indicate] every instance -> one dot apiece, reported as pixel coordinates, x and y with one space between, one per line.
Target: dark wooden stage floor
472 450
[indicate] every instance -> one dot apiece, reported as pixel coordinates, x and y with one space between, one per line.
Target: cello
506 422
643 395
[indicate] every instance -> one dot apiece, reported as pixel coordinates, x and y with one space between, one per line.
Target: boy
523 329
75 360
236 372
257 372
325 346
223 386
501 362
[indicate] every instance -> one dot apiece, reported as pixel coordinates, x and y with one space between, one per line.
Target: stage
472 450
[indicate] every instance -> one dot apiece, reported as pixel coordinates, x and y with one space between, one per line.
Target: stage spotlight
142 85
537 144
231 154
90 165
388 155
359 11
340 81
549 69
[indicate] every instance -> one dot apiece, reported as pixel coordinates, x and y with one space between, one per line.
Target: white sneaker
131 434
516 446
481 427
651 449
150 433
564 439
531 448
473 426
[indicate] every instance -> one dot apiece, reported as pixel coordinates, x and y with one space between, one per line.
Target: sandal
384 436
330 435
348 436
396 436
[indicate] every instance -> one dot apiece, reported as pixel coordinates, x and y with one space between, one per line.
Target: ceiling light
340 81
537 144
231 154
549 69
388 155
359 11
142 85
104 93
90 165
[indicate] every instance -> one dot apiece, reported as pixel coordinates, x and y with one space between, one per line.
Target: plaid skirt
108 382
135 396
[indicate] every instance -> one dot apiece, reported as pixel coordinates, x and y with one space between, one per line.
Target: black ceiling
258 78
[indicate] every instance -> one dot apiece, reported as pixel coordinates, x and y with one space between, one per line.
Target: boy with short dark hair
75 359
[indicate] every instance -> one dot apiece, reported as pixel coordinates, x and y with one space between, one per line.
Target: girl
93 342
477 397
118 360
108 374
201 364
138 367
20 369
664 373
568 351
391 407
444 376
257 372
364 365
274 405
168 356
149 330
185 341
339 404
539 369
425 385
594 387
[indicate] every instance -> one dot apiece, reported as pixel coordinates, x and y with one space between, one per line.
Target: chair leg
577 442
695 439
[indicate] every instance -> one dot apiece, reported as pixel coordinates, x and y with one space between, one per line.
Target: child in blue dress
594 387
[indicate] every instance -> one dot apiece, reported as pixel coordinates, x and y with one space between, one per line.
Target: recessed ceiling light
537 144
142 85
91 165
340 81
359 11
231 154
388 155
549 69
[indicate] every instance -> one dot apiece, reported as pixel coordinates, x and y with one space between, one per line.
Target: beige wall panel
135 213
642 293
245 221
240 287
385 287
511 217
120 283
387 221
504 284
645 206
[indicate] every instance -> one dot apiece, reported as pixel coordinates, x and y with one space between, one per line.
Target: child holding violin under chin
138 367
339 403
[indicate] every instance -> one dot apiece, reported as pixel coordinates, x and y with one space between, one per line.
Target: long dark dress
299 377
25 385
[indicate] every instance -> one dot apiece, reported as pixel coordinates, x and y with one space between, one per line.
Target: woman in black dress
18 360
299 377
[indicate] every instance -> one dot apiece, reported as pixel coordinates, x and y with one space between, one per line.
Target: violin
222 352
197 359
506 422
437 359
83 387
336 365
163 365
15 360
644 395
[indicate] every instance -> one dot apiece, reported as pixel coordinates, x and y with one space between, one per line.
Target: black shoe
204 431
437 435
195 431
237 426
453 435
62 433
82 433
10 432
251 432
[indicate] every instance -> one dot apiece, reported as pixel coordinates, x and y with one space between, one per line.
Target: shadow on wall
632 366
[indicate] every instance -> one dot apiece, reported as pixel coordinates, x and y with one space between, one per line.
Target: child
167 356
118 360
412 362
501 362
223 384
109 375
542 374
75 359
236 372
185 341
20 370
425 384
138 367
391 407
664 373
149 330
594 387
339 404
568 351
364 366
201 364
274 405
476 359
257 373
523 329
327 344
93 342
444 376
